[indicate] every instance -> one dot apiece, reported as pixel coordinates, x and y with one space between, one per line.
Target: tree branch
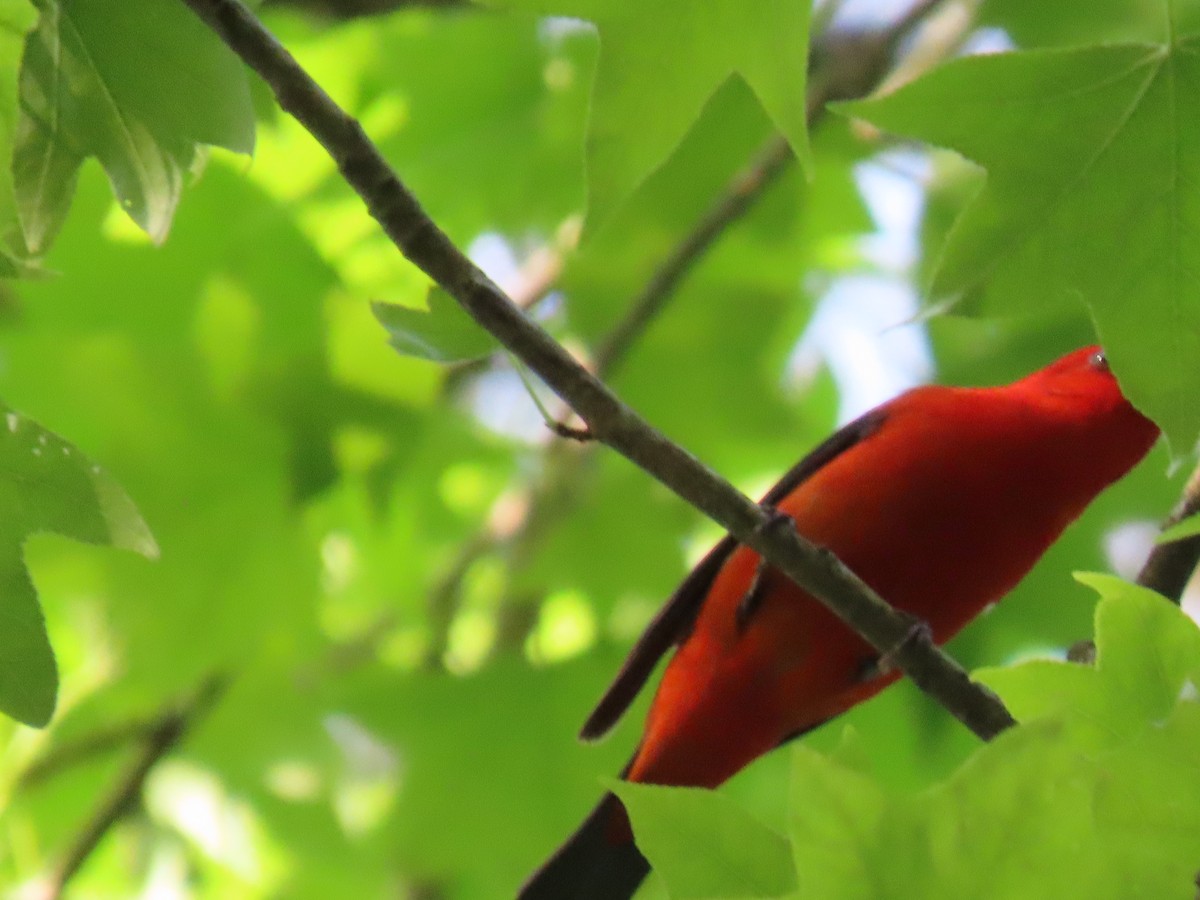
607 417
160 739
72 753
1170 566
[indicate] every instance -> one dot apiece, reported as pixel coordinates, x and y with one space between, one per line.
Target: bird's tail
598 862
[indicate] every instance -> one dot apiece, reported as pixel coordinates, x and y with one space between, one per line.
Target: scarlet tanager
941 500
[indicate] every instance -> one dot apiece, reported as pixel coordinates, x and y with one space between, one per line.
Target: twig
160 740
849 63
353 9
443 599
72 753
1171 566
607 417
746 187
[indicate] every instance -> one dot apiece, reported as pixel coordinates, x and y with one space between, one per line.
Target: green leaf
48 485
1095 795
1146 650
522 803
832 804
1016 818
197 367
853 839
1032 23
137 84
706 846
1032 814
17 17
490 146
1146 647
1189 527
444 334
660 63
1044 228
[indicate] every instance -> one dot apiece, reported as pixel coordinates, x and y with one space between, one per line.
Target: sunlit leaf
1040 231
85 92
1189 527
16 18
444 334
1090 797
705 846
1146 650
47 484
661 61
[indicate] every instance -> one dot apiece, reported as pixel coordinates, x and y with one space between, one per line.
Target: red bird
941 500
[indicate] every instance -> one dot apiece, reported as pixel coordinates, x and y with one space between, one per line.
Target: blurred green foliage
414 593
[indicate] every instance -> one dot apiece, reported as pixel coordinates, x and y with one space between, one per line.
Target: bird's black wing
674 621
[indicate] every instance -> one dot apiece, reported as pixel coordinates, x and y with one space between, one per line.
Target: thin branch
171 727
353 9
747 186
1171 566
72 753
540 271
443 599
612 422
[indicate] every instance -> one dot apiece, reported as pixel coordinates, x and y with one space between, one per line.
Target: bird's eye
1098 361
